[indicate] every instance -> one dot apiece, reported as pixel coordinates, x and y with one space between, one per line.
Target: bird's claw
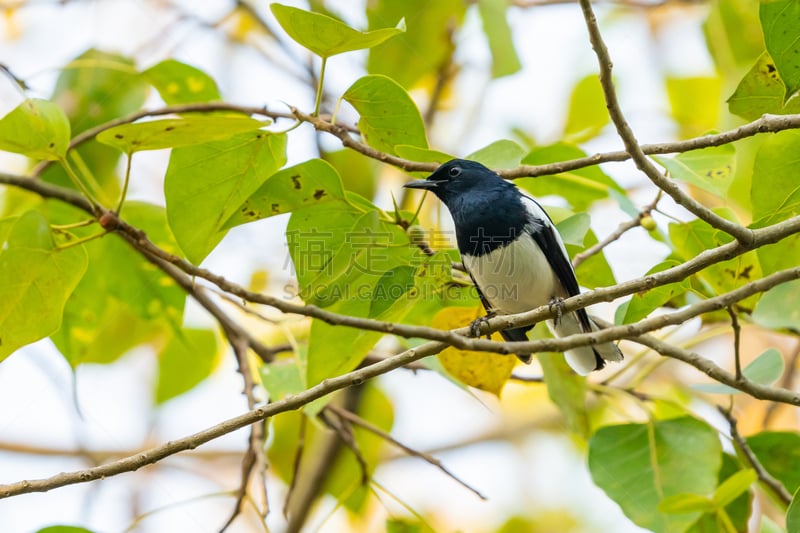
558 303
477 324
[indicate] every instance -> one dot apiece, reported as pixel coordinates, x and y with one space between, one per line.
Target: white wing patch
537 213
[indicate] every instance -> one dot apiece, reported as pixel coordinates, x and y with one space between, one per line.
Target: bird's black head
460 177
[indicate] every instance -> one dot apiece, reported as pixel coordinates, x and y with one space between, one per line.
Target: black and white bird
514 254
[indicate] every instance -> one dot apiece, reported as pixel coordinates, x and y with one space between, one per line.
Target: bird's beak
422 184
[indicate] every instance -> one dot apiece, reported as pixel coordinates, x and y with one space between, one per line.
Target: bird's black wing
546 235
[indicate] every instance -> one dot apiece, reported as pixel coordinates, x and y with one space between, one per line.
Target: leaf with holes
206 183
782 38
176 132
388 115
711 169
311 183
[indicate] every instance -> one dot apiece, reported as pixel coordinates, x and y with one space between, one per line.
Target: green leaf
498 33
326 358
686 503
313 237
573 229
639 465
733 34
36 128
782 39
362 255
779 453
359 174
734 486
122 301
189 358
775 188
587 111
793 514
693 238
695 103
428 40
64 529
179 83
579 187
764 370
311 183
777 308
281 378
595 271
95 88
205 184
394 525
326 36
645 302
36 278
416 153
343 480
768 526
566 390
499 154
392 285
737 511
388 115
712 169
340 256
761 91
176 132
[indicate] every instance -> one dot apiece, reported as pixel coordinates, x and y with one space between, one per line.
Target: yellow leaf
482 370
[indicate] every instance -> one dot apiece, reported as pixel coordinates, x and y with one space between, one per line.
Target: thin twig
240 345
742 234
737 338
763 236
357 420
344 430
626 226
765 477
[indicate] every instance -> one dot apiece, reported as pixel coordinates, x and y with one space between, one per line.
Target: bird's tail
586 358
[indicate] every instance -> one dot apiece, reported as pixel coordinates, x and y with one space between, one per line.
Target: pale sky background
540 472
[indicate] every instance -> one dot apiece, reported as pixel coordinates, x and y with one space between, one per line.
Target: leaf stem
76 180
321 80
82 240
125 183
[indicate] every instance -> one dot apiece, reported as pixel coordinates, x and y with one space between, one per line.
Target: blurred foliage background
267 144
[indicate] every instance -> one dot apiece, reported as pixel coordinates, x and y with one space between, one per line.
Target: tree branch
626 226
458 338
740 443
289 403
372 428
742 234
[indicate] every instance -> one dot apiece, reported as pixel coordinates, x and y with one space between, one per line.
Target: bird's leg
558 303
476 325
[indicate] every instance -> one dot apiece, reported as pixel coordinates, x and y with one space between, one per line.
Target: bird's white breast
516 277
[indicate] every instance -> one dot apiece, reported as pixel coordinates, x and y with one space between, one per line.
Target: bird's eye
455 172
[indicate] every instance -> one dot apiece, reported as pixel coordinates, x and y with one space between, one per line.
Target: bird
514 255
